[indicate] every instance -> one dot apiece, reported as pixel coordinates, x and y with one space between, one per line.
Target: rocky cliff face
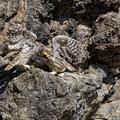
35 94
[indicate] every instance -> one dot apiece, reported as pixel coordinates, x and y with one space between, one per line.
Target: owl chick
23 57
19 40
70 49
25 46
57 64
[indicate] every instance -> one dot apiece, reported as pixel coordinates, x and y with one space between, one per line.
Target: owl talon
53 73
24 67
27 67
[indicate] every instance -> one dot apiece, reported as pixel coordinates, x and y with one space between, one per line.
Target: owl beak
44 53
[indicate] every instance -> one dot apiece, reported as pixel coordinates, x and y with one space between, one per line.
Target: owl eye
16 30
9 34
63 42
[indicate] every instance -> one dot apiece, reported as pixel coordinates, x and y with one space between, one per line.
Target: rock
109 111
106 39
3 62
1 49
38 13
58 29
82 34
115 93
106 29
40 95
2 24
43 33
8 9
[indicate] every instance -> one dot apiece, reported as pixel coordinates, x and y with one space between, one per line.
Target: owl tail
13 63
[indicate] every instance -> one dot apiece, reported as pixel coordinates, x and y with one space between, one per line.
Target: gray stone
40 95
2 24
8 9
109 111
